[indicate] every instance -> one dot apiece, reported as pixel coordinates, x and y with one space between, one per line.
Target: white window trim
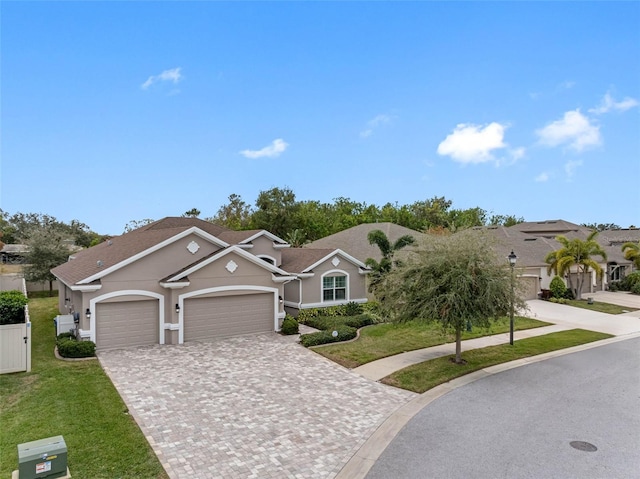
335 272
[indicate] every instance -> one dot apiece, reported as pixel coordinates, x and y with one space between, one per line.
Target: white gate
15 348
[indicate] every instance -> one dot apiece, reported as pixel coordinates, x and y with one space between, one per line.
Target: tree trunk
580 282
459 345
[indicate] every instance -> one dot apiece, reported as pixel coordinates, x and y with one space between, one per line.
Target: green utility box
43 458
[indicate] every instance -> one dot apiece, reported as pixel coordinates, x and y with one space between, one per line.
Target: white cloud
172 75
473 143
570 167
374 123
517 153
566 85
542 177
608 104
276 147
574 130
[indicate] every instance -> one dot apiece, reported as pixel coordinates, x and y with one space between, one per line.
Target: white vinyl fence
15 339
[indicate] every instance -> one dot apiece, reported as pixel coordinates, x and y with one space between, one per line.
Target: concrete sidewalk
377 370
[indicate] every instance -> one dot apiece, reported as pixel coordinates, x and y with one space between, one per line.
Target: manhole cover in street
583 446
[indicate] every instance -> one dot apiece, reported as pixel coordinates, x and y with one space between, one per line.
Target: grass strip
429 374
387 339
73 399
599 306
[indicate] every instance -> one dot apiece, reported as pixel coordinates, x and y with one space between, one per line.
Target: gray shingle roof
296 260
354 240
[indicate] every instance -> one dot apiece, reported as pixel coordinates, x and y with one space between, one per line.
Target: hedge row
344 333
330 323
12 305
70 347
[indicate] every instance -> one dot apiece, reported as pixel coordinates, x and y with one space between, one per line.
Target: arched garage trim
129 292
219 289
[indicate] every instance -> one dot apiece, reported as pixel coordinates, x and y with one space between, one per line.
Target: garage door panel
126 324
224 316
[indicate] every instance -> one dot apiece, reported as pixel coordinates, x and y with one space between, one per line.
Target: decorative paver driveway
248 407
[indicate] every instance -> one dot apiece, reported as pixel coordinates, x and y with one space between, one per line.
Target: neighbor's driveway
248 407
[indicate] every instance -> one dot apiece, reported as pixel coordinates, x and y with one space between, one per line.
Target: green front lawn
387 339
73 399
429 374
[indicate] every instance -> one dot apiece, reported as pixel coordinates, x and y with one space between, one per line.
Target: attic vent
99 263
109 242
530 239
71 257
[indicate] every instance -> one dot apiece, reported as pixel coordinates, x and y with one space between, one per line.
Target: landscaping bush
352 309
359 321
325 337
12 305
635 289
66 335
614 286
630 281
71 348
289 326
557 287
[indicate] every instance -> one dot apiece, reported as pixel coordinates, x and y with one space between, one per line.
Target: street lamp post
512 262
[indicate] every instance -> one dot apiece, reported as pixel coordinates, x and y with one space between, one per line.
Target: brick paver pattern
249 407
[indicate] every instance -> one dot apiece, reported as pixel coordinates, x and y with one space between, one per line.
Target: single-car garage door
530 287
224 316
125 324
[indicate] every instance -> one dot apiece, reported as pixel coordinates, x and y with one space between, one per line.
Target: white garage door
125 324
224 316
530 289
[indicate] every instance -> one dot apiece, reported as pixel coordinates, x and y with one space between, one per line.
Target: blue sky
119 111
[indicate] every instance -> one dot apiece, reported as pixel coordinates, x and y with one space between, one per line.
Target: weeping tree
453 280
576 255
388 250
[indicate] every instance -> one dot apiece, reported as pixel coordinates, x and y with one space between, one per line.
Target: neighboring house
13 253
185 279
532 241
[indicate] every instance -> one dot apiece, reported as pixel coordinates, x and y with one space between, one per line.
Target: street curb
362 461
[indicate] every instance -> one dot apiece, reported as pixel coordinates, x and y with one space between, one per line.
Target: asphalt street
521 423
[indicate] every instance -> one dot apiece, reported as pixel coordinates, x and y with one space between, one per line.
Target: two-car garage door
136 323
224 316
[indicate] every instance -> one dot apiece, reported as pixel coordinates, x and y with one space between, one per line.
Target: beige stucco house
185 279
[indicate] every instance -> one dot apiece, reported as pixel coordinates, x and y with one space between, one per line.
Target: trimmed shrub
557 287
12 305
352 309
66 335
70 348
325 337
289 326
635 289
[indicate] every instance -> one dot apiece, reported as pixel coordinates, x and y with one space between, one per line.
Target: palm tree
577 254
631 252
388 250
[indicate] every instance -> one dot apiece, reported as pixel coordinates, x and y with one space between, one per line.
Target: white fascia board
338 252
132 259
175 285
282 279
271 236
281 245
244 246
305 275
232 249
364 271
87 288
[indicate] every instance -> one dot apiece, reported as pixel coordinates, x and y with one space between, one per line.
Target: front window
334 288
